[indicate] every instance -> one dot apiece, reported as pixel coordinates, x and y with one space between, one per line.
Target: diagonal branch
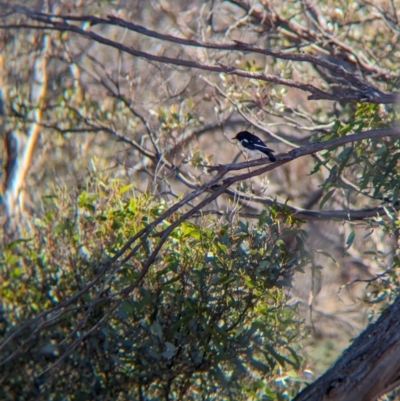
217 191
308 150
366 92
126 253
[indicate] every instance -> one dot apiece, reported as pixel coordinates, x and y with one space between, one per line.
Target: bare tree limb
305 214
363 92
300 35
369 368
237 46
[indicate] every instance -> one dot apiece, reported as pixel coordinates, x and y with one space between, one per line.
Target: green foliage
383 288
209 320
372 162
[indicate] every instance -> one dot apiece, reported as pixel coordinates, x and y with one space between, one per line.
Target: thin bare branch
363 91
306 214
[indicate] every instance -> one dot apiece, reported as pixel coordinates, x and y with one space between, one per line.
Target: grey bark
369 368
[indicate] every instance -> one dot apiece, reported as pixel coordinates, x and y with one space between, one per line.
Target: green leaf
389 213
317 282
259 366
11 259
261 218
327 254
345 129
326 198
116 224
15 243
156 329
171 281
295 356
126 309
344 158
244 227
125 188
300 243
279 358
350 240
225 280
172 266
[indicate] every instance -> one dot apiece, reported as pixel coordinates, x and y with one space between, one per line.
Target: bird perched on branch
253 145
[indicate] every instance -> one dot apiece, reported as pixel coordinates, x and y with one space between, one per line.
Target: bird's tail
269 152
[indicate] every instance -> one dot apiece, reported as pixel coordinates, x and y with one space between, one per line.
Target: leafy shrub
208 321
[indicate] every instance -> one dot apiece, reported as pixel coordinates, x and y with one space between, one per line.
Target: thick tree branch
309 149
369 368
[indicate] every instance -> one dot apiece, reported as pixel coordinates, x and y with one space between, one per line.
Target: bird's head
241 135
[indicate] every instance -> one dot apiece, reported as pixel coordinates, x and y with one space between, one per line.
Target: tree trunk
369 368
20 150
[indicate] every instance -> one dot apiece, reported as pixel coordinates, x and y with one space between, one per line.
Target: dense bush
209 318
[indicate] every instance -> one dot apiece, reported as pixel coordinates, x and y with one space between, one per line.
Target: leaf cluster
209 318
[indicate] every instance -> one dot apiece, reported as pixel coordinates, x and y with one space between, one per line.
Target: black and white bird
253 145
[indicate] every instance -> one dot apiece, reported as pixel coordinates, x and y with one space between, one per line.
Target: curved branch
366 92
236 46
